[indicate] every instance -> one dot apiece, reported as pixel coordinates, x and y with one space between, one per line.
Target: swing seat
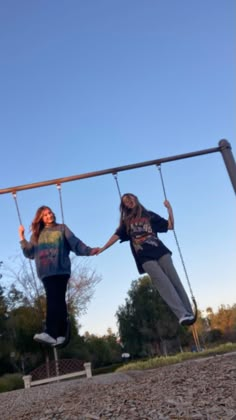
187 321
67 337
195 313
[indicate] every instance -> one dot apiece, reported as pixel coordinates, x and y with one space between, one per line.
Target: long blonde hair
37 224
126 214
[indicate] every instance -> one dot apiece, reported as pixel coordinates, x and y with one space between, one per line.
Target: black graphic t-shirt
142 234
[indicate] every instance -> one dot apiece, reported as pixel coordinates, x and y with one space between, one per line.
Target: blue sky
90 85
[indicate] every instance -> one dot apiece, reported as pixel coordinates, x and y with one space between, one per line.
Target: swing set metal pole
228 157
224 148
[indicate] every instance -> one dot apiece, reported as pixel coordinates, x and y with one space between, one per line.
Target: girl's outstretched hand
97 251
94 251
110 242
21 231
100 250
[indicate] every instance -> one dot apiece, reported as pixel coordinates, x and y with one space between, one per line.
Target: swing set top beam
113 171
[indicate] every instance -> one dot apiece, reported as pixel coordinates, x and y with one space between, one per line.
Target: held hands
100 250
96 251
21 231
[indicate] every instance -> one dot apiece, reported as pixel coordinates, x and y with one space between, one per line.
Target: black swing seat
189 322
67 338
195 310
195 314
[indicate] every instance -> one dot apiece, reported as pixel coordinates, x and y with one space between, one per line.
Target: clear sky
95 84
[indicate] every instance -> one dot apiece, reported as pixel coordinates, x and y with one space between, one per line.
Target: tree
25 284
3 310
145 321
6 346
225 319
22 323
103 351
218 326
81 285
114 346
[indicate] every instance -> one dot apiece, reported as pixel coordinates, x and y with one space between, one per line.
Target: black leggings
56 316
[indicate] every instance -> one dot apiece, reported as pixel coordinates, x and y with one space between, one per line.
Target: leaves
145 320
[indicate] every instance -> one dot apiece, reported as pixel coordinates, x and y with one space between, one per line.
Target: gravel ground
200 389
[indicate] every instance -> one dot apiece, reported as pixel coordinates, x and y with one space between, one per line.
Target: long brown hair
127 214
37 224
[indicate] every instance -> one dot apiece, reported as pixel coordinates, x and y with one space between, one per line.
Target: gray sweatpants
165 279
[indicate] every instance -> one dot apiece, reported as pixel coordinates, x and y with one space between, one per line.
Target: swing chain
30 262
162 180
117 183
63 222
17 207
176 239
61 205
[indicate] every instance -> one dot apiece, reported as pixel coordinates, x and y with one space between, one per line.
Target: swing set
224 147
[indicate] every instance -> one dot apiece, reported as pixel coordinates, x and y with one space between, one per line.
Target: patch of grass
11 381
156 362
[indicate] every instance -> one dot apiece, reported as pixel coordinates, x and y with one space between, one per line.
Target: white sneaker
187 320
60 340
44 338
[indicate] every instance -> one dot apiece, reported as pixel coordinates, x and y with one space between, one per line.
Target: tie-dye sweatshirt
51 253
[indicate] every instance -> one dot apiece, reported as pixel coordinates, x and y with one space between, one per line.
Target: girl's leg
56 317
165 287
167 266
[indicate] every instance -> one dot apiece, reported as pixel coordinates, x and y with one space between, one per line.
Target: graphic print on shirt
141 233
49 245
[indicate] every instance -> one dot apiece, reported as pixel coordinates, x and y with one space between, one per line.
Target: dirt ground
197 389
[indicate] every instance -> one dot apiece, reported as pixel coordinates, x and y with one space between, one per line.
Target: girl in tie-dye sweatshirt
50 245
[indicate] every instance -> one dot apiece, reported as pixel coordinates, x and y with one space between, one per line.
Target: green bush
11 381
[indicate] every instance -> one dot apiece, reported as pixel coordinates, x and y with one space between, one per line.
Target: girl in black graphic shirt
140 226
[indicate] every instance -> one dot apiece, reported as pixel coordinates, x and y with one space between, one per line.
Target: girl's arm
21 232
113 239
27 247
171 215
75 244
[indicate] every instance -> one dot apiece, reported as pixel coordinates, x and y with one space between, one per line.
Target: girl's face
129 201
48 217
